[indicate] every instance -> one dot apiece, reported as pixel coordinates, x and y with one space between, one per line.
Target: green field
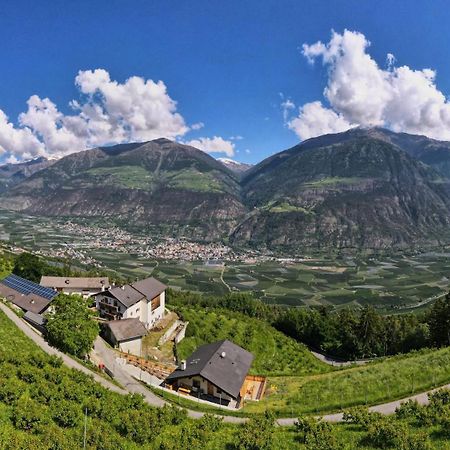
391 283
394 378
275 353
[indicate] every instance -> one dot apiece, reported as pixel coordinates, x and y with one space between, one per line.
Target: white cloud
213 145
20 142
197 126
359 92
108 112
315 120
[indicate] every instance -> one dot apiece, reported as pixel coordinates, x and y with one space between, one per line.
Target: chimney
183 365
122 287
223 354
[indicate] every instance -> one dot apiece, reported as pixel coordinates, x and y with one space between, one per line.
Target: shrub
257 433
361 416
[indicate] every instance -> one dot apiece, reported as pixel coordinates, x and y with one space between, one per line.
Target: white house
76 285
144 300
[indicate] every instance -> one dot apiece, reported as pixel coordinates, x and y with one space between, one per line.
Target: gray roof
36 319
150 287
227 372
75 282
126 329
128 295
28 302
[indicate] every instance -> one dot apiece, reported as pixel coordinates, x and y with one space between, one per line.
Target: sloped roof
150 287
28 302
222 363
126 329
128 294
75 282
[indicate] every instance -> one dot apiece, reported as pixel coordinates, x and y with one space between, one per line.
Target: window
196 384
156 302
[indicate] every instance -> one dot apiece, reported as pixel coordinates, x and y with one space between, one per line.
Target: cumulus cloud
359 92
107 112
314 120
21 142
213 145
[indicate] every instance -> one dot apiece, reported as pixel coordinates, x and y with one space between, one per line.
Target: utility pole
85 429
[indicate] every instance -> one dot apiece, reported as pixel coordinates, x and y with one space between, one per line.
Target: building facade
85 286
144 300
214 372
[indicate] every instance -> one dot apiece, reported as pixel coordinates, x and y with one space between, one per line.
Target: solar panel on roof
28 287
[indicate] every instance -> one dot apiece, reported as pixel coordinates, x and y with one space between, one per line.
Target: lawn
390 379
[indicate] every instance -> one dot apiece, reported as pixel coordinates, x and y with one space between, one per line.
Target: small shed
36 320
126 334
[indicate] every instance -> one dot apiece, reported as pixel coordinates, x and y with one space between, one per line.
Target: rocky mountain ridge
358 189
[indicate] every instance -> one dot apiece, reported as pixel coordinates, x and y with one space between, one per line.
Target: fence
156 369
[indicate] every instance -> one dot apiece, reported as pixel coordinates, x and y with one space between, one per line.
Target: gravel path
133 386
339 363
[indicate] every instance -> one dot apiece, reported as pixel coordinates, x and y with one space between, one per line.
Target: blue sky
224 63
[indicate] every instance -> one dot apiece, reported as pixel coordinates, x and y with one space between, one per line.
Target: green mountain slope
359 189
159 183
361 192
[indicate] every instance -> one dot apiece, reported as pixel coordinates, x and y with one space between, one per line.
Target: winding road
130 385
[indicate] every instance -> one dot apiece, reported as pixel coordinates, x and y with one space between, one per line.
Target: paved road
337 363
131 385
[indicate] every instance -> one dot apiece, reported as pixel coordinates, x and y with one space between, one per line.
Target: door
210 388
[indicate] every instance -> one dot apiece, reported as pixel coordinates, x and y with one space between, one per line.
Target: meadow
390 379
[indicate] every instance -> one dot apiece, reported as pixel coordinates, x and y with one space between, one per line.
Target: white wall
156 314
141 310
133 347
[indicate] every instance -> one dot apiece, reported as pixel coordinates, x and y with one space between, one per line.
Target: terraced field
394 283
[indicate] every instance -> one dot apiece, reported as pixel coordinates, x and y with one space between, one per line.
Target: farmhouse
76 285
215 372
25 294
143 300
126 334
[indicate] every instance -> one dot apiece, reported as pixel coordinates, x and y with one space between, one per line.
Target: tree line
347 333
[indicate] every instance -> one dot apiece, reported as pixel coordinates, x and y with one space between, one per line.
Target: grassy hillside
275 353
394 378
42 405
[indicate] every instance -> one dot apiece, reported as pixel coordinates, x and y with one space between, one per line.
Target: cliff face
355 189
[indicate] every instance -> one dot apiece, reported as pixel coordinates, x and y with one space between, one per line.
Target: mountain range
364 188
